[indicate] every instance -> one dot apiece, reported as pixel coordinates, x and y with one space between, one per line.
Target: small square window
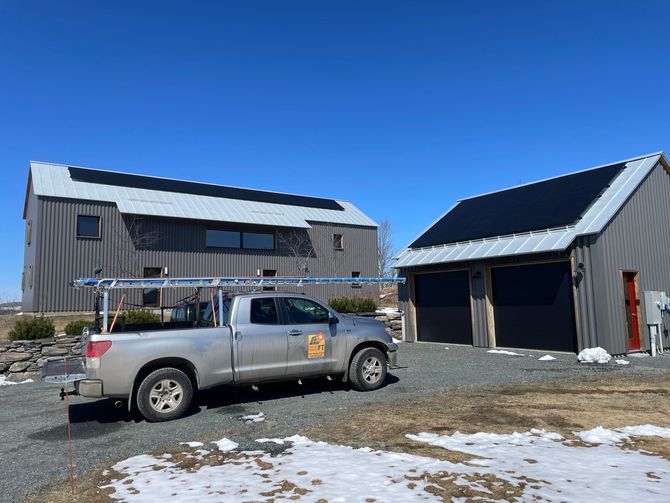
338 241
88 226
356 274
269 273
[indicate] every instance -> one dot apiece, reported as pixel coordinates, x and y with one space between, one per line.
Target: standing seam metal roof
53 180
592 221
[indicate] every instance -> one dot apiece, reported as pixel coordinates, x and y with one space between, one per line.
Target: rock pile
24 359
393 322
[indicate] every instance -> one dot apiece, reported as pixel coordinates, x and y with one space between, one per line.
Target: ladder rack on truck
103 286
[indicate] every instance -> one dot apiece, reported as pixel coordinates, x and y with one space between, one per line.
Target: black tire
361 375
157 398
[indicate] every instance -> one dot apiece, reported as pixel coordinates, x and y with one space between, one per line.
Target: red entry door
631 311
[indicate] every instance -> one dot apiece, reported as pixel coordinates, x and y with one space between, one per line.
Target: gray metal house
78 219
560 264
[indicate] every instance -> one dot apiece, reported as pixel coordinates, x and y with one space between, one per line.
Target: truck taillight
95 349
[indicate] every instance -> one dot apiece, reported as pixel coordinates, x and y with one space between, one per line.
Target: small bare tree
297 245
131 239
385 248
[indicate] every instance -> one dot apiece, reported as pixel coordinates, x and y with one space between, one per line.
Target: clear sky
401 107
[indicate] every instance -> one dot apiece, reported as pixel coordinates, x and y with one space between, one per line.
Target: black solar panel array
201 189
537 206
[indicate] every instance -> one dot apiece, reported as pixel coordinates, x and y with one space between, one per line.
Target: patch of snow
621 362
225 445
638 355
278 441
594 355
559 471
192 444
384 310
602 435
546 358
646 430
504 352
6 382
254 418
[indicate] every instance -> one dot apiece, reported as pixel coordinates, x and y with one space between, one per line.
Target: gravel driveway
33 436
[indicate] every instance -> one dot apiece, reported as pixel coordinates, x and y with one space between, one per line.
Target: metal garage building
558 264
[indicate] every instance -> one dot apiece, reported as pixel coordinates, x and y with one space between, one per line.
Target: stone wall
24 359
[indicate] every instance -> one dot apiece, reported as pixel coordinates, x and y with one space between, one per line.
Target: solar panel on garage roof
201 189
537 206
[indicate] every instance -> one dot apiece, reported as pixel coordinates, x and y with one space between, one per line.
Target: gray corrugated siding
30 254
181 246
637 239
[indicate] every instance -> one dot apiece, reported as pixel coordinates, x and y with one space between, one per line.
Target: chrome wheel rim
166 395
372 369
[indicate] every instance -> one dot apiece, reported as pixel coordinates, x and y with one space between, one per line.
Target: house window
338 241
264 311
88 226
269 273
29 231
258 241
356 274
151 296
222 239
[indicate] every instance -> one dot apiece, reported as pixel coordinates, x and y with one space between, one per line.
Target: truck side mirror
332 319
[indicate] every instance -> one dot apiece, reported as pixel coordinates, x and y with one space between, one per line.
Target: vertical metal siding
480 332
637 239
181 247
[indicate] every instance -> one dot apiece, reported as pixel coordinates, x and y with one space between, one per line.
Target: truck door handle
295 332
238 336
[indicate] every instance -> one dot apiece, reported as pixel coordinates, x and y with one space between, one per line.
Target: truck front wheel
164 394
368 369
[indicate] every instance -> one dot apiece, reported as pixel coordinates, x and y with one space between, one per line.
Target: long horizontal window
222 239
240 239
258 241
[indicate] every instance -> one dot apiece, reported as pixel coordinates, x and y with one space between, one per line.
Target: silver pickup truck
266 336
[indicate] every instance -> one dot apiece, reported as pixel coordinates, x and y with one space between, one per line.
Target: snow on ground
225 445
192 444
546 358
602 435
386 310
638 355
531 465
6 382
254 418
594 355
504 352
621 362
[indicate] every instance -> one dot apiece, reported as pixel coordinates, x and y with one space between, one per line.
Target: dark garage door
533 307
442 303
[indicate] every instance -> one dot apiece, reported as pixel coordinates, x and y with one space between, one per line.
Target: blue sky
401 107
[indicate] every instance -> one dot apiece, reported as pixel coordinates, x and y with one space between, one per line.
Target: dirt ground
7 321
564 407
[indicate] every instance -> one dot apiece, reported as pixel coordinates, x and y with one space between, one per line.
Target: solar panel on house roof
201 189
542 205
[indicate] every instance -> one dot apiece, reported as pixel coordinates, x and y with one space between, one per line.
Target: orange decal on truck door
316 346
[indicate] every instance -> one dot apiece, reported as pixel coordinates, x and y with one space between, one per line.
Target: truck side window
264 311
305 311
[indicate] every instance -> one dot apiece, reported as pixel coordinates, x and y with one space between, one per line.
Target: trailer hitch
63 393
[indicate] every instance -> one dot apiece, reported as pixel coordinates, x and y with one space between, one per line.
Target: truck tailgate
54 372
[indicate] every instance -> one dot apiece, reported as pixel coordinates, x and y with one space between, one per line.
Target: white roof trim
53 180
592 222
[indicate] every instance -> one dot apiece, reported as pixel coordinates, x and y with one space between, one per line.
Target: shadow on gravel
231 400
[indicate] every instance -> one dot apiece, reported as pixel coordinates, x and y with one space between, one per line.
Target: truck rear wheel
164 394
367 371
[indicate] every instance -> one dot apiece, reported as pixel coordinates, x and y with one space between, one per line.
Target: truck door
261 342
310 337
